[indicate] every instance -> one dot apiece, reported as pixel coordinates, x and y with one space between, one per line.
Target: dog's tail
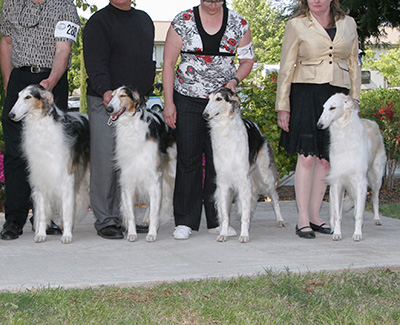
82 198
168 184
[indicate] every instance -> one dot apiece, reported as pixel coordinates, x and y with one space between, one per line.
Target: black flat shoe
10 231
142 229
111 232
326 230
53 229
305 234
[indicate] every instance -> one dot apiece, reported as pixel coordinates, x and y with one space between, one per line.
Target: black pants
193 139
18 191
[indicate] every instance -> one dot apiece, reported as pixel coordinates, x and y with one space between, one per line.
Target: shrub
382 106
258 101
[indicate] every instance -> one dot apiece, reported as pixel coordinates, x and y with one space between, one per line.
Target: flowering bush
258 101
382 106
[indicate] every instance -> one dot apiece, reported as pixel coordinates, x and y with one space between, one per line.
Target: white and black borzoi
243 161
146 156
357 158
56 147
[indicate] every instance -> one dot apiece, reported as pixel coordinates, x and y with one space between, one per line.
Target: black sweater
118 50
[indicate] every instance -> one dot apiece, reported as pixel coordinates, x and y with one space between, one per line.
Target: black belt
33 69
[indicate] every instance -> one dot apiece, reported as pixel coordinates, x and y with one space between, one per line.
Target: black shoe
53 229
305 234
10 231
142 229
111 232
322 230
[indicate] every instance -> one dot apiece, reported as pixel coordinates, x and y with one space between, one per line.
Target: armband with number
246 52
67 29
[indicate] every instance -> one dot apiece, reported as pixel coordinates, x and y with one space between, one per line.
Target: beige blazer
310 56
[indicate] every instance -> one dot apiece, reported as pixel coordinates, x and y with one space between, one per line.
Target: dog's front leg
128 213
335 196
245 199
67 209
223 200
359 208
155 203
40 216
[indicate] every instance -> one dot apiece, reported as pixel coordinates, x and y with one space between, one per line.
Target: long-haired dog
357 158
56 147
146 157
243 161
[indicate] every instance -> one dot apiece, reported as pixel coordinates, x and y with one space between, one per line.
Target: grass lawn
371 297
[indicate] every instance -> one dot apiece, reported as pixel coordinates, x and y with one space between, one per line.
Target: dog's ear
235 104
47 100
349 103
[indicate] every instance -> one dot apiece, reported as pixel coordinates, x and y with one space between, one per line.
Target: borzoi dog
56 146
146 156
243 161
357 158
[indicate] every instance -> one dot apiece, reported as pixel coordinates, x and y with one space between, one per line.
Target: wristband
237 80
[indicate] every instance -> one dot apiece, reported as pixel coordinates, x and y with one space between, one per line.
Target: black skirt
306 106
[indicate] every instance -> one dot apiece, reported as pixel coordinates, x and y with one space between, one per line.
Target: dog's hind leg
128 213
265 178
375 182
41 213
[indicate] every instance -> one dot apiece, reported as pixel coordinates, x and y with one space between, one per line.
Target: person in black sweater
118 43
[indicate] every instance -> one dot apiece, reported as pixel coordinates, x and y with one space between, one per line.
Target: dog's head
338 106
222 102
124 100
32 99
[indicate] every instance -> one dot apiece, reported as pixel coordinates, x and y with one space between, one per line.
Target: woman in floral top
207 38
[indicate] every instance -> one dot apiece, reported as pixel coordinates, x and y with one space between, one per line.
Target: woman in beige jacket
319 58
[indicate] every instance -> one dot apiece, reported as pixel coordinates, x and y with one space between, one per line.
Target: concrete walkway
92 261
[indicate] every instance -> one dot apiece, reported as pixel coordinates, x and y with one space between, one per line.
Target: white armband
67 29
246 52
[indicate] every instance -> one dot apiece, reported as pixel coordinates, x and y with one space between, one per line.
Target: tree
387 64
267 28
369 14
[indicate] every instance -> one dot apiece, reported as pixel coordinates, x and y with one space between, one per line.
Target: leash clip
110 121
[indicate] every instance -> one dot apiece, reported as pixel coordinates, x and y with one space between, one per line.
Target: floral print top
202 70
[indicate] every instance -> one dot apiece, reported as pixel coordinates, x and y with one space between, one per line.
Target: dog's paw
66 239
132 238
151 238
280 224
222 238
357 237
40 239
244 239
337 237
378 222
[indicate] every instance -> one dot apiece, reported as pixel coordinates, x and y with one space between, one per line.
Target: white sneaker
182 232
231 232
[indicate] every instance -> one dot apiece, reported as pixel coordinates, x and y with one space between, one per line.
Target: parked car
155 104
74 103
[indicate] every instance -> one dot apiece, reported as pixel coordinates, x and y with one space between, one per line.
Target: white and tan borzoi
56 147
146 156
243 161
357 158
